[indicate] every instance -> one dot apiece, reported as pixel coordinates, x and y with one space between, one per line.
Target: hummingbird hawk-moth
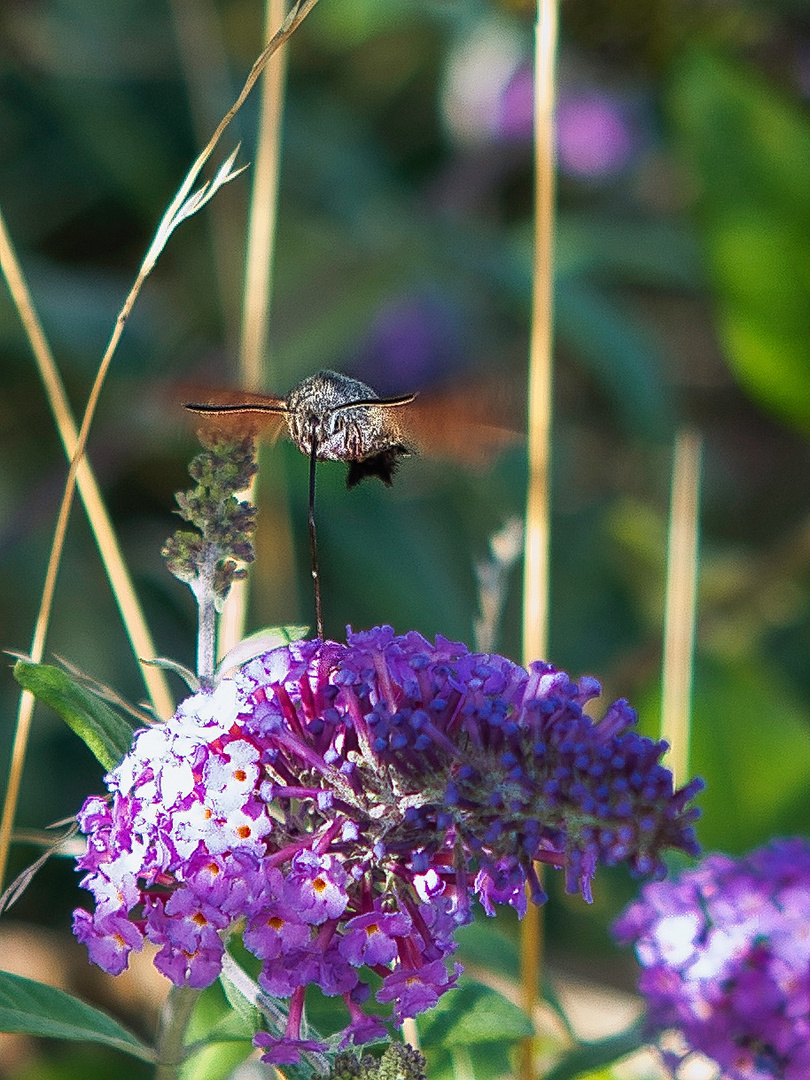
332 417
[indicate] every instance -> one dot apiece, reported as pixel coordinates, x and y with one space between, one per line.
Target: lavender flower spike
348 802
725 955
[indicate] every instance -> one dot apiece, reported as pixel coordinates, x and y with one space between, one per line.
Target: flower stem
174 1021
207 621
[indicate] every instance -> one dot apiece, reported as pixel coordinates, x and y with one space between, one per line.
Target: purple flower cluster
725 952
346 802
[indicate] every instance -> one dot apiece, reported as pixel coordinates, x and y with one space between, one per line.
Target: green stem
207 620
174 1021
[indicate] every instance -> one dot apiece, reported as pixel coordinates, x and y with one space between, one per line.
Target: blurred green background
403 258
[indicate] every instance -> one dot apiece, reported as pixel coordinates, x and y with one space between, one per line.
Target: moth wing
469 423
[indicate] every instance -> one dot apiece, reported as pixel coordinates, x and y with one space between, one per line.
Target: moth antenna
380 403
244 407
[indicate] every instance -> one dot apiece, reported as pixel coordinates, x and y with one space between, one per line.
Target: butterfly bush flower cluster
346 803
725 952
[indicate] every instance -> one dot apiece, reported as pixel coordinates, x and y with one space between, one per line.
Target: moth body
348 422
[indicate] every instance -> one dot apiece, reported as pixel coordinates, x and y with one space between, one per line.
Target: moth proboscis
333 417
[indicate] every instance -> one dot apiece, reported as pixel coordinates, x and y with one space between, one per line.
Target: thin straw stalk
203 56
261 239
115 567
537 538
681 601
255 367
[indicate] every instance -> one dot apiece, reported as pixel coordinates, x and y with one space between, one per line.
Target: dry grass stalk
261 239
204 60
255 368
537 535
681 601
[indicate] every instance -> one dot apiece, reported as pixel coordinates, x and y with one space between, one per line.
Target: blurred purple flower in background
348 802
489 97
802 69
595 138
725 955
516 121
414 339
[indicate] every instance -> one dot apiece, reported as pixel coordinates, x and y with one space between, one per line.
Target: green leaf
746 714
243 1022
620 353
262 641
216 1062
217 1018
660 254
474 1014
750 150
185 673
32 1008
483 944
588 1057
340 29
104 730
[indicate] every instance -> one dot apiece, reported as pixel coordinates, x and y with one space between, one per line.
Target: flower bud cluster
346 802
224 524
725 953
